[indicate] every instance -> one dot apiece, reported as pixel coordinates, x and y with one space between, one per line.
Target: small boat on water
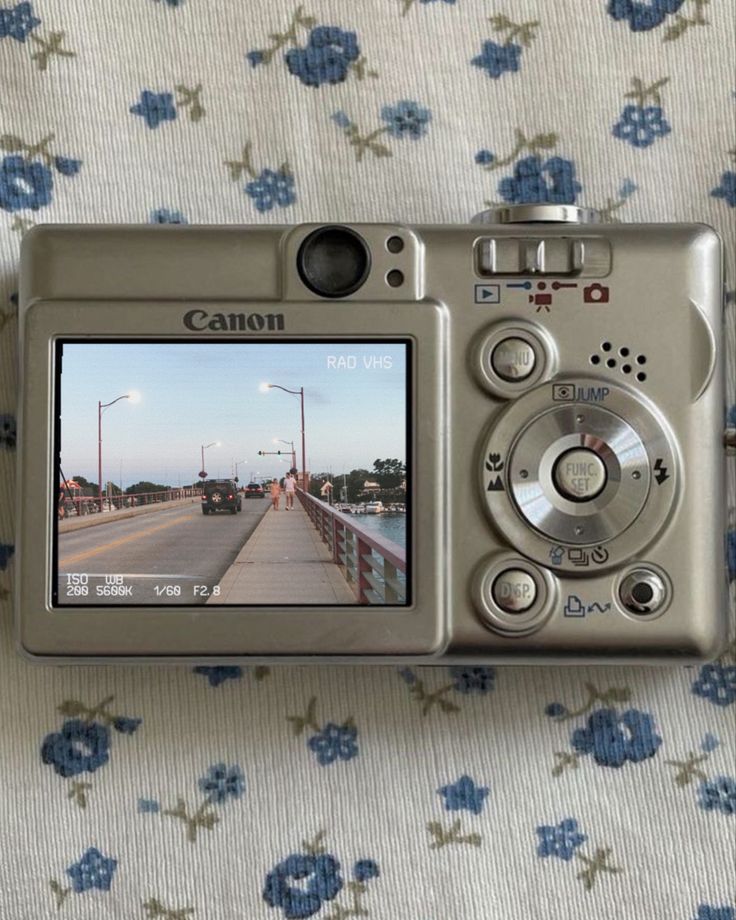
374 508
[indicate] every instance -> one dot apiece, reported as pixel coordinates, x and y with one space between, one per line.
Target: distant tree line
91 488
389 474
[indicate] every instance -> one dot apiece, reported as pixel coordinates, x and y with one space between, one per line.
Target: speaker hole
641 377
624 352
394 244
395 278
626 369
606 346
595 359
611 362
641 359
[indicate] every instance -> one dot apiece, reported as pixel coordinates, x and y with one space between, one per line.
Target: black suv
221 495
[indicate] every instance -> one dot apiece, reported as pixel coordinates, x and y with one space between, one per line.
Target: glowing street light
291 445
203 471
264 388
134 397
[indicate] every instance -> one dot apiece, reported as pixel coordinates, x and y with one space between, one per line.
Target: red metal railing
371 564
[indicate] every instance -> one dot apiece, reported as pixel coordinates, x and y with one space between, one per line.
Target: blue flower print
80 747
222 783
271 189
24 184
165 216
614 738
406 119
66 166
148 807
718 794
535 182
6 554
497 59
8 434
464 795
555 710
560 841
484 157
126 726
641 125
365 869
727 189
326 58
18 22
302 883
92 871
717 683
215 675
255 58
643 16
334 742
155 108
731 553
473 680
706 912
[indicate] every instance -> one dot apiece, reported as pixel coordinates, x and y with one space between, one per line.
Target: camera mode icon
563 392
596 293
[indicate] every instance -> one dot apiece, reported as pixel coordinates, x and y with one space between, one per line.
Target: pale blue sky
192 394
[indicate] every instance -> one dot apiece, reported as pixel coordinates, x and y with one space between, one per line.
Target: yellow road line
79 557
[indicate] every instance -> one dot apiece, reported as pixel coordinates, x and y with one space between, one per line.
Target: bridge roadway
259 556
181 542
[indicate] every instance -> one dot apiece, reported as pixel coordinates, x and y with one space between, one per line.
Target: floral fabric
403 793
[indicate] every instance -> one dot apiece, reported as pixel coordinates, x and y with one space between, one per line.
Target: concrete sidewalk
284 562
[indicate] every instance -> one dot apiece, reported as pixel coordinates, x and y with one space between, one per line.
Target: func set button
580 475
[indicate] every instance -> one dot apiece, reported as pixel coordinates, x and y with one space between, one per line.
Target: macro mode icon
494 442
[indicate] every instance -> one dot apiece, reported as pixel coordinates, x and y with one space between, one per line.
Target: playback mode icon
488 293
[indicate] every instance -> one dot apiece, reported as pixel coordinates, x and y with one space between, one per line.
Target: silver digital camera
497 442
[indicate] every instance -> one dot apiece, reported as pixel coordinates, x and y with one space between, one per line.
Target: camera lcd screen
269 473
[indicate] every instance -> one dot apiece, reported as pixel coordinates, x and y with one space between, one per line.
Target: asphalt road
175 556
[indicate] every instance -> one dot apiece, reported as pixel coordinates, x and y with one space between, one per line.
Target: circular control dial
578 476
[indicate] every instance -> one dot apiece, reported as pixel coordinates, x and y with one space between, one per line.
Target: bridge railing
373 566
77 504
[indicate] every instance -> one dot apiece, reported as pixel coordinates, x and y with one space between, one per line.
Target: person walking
290 489
275 494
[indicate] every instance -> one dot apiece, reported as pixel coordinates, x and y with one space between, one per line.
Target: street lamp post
203 471
134 397
291 445
236 464
300 393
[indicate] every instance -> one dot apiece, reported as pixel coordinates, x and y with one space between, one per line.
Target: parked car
254 490
221 495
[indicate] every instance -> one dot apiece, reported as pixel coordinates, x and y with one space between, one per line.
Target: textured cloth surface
419 794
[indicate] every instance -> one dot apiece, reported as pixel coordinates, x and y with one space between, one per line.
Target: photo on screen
249 474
